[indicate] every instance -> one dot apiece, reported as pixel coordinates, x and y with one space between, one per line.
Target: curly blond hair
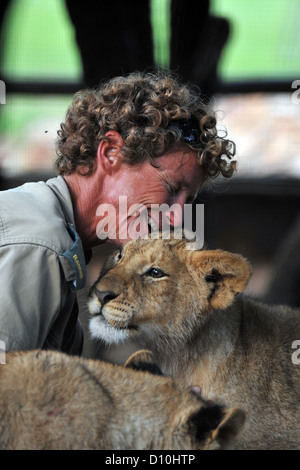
140 107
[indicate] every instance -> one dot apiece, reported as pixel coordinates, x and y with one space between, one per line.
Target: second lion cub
183 306
52 401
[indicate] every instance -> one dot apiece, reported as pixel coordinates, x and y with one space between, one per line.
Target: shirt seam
30 241
2 225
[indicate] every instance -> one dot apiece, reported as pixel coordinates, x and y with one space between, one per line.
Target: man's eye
155 272
174 189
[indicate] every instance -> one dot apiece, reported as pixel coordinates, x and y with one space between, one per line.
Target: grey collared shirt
41 267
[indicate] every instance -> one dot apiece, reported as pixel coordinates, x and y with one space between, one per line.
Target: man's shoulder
32 213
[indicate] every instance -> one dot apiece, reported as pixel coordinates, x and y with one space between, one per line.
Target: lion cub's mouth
96 310
109 332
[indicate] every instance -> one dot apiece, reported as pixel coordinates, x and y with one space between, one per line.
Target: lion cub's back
50 400
50 396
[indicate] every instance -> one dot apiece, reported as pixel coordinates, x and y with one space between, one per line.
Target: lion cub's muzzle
105 296
98 299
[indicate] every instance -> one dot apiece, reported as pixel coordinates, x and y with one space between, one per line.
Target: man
143 136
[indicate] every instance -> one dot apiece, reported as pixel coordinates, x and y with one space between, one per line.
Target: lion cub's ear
226 432
225 273
142 360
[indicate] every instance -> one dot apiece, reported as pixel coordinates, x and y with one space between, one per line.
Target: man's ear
225 273
109 151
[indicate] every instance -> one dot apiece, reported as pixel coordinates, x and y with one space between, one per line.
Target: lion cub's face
159 288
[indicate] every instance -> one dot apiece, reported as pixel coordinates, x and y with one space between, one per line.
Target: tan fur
237 350
49 400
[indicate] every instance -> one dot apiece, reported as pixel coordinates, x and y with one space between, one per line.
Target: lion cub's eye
118 256
155 272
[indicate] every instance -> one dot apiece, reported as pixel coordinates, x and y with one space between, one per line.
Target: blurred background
244 55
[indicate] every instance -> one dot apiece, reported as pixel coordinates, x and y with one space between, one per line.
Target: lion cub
183 306
49 400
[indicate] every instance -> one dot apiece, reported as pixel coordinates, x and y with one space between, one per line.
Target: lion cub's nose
105 296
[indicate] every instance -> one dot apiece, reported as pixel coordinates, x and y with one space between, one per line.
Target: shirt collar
61 190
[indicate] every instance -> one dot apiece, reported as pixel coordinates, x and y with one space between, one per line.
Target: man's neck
85 194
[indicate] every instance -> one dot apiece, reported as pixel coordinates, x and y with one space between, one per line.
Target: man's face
176 180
